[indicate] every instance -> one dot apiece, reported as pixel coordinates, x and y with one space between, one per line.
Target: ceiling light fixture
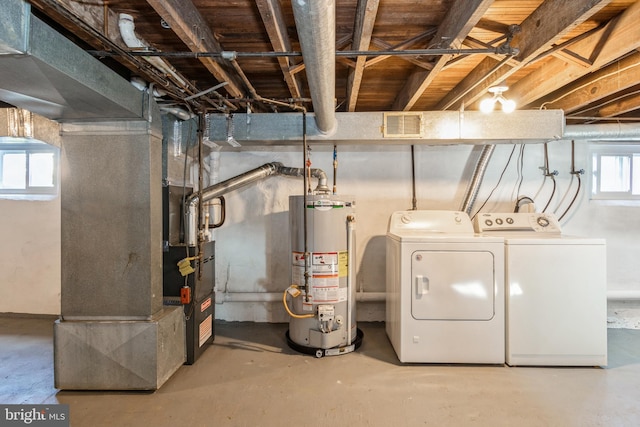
488 104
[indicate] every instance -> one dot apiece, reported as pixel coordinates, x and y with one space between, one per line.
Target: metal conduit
316 25
242 180
476 180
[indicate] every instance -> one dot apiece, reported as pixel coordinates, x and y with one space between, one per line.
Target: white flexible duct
316 25
476 179
127 31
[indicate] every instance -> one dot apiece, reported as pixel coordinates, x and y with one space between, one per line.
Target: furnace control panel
528 222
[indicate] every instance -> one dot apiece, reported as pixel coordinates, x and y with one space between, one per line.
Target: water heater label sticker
324 262
326 294
206 329
297 268
343 263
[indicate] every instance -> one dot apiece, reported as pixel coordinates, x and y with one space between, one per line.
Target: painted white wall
253 245
30 256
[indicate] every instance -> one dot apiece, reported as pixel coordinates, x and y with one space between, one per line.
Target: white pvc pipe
222 297
350 261
622 295
127 31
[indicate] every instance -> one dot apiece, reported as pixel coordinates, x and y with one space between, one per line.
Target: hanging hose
577 174
295 292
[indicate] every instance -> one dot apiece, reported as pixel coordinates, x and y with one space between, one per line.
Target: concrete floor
249 377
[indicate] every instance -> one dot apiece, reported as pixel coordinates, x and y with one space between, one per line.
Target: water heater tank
321 298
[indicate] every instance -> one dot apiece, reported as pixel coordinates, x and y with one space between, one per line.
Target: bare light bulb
487 105
508 106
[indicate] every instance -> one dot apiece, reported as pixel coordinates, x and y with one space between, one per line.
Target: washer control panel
517 222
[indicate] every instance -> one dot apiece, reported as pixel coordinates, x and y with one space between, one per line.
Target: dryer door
452 285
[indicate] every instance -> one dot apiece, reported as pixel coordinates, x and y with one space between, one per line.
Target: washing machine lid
430 223
528 239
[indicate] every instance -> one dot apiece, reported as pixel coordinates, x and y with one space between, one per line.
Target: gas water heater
321 297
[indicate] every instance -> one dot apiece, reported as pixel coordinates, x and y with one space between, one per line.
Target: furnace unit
195 290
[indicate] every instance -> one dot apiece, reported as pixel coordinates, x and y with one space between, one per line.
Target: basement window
28 169
615 172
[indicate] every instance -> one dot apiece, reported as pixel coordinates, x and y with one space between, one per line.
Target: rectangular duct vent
403 125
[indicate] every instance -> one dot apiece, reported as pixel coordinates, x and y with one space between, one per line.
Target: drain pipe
242 180
127 31
316 25
476 180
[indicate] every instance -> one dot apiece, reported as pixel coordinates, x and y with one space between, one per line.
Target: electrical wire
498 183
550 175
553 192
575 196
520 168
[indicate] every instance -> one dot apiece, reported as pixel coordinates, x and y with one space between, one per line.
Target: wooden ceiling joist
366 13
459 21
598 85
273 20
189 25
546 25
620 36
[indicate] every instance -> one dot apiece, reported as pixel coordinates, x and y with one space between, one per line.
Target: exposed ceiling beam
456 25
366 13
277 30
188 24
600 84
546 25
620 36
623 104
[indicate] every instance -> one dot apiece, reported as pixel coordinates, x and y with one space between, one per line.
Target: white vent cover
402 125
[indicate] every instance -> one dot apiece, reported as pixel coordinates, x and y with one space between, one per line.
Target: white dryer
556 304
445 289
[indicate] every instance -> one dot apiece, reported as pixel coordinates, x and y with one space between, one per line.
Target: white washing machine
445 289
556 286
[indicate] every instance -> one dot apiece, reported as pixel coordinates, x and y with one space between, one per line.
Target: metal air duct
316 24
604 132
45 73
